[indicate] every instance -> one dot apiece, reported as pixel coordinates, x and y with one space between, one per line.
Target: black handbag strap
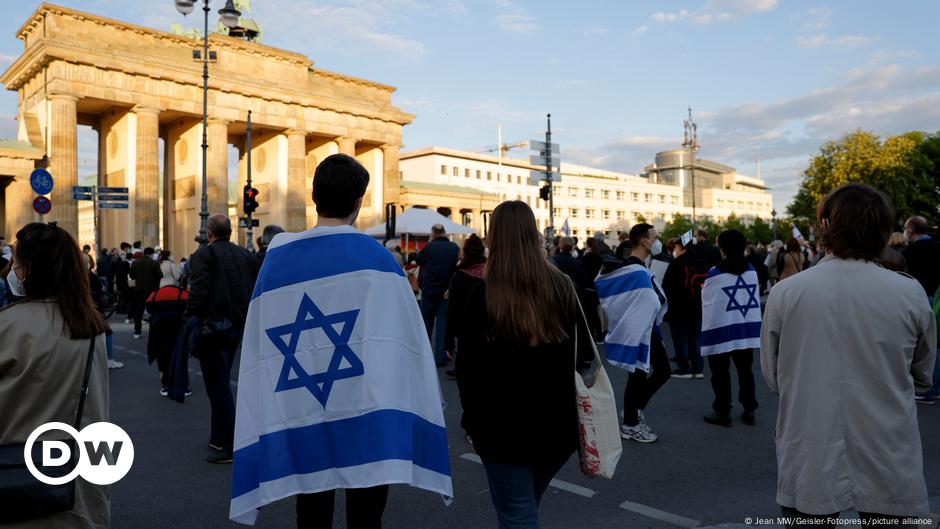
81 398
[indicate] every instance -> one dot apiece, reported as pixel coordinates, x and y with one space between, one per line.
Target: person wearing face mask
170 270
49 338
635 306
922 256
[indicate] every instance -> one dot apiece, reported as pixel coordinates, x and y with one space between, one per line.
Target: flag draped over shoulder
633 308
337 386
731 316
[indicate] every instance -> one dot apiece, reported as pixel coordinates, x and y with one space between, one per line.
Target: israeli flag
730 312
337 386
630 298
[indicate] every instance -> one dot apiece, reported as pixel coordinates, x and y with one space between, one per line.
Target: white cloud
848 41
816 19
883 56
6 59
809 43
516 23
640 30
715 11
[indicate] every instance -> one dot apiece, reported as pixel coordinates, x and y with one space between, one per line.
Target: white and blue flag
337 386
730 312
632 303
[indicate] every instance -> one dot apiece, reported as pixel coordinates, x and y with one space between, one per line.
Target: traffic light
545 192
250 199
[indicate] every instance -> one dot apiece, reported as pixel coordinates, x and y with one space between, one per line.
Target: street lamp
229 16
773 220
691 143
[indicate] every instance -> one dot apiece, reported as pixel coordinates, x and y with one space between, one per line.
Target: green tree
640 219
733 223
904 167
759 231
676 227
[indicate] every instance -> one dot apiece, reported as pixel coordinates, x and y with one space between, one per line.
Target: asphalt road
696 475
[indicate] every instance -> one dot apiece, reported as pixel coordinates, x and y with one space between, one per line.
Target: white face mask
907 237
14 284
656 248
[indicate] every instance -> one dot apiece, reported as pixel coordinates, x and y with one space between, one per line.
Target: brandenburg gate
137 86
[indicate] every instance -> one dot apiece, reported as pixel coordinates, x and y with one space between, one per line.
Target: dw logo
105 452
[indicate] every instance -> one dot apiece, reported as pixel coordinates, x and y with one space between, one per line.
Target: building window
466 173
588 193
478 174
606 214
605 194
619 195
635 196
456 171
557 212
647 197
444 170
673 200
489 175
620 214
519 179
662 199
574 213
589 213
572 191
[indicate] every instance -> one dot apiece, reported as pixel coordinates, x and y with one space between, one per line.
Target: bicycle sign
41 181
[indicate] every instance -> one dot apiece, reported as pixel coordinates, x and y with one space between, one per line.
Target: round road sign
42 205
41 181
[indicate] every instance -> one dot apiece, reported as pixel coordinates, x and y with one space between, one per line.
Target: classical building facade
589 199
140 88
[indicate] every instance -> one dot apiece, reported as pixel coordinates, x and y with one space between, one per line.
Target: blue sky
773 78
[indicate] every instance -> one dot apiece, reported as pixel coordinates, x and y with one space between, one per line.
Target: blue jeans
109 343
216 367
434 312
687 341
517 490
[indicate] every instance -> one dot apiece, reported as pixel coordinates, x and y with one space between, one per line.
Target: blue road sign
41 181
42 205
122 190
112 205
83 189
82 196
102 196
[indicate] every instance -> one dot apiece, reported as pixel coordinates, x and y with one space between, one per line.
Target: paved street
696 475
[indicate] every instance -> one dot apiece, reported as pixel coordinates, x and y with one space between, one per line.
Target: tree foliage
905 167
757 230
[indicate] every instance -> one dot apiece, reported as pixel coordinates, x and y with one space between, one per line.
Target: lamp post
229 16
773 220
691 143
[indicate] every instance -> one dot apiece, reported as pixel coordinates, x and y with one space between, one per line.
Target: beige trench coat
845 345
41 372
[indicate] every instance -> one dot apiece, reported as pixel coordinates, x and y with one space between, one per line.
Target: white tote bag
600 446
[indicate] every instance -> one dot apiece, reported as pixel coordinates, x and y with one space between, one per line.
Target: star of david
732 292
309 316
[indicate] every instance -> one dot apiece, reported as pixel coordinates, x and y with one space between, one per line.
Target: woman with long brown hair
515 367
45 339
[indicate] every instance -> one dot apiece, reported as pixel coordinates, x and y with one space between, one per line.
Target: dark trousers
641 386
364 508
216 363
434 312
135 308
687 339
720 366
517 490
820 520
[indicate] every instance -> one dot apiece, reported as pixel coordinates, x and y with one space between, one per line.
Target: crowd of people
845 327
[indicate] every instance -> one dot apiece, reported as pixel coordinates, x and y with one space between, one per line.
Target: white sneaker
114 364
683 376
698 376
137 337
638 433
642 421
127 321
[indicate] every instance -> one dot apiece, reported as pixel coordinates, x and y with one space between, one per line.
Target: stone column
217 169
147 217
347 146
296 186
63 159
392 177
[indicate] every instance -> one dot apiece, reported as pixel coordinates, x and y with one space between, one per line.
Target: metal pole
548 167
692 177
94 217
203 236
251 232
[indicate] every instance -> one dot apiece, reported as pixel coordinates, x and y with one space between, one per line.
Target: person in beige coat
845 345
45 341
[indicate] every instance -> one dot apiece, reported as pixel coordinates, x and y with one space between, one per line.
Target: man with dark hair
635 306
731 328
623 249
710 253
846 344
266 236
356 314
922 256
146 275
437 262
221 278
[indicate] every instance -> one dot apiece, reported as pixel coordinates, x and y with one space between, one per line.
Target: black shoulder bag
22 496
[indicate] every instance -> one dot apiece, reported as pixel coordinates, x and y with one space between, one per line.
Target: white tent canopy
418 221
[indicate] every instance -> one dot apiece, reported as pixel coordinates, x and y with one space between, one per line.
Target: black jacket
574 269
438 260
923 262
592 266
221 279
709 253
519 401
146 274
680 296
457 293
